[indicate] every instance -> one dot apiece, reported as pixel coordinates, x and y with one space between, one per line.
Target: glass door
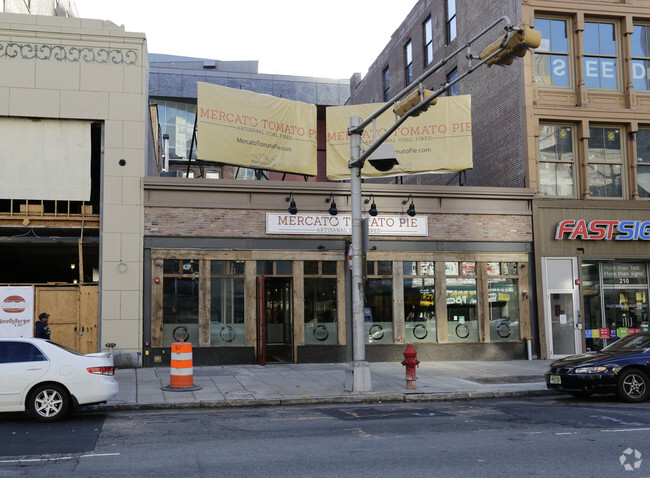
563 324
278 313
561 306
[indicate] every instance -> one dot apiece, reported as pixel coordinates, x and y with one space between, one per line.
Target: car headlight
590 369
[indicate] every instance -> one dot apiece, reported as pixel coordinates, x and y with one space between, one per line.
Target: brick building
572 123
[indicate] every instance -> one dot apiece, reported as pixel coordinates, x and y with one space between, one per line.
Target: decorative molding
35 51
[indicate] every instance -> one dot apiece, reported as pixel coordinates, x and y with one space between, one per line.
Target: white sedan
48 379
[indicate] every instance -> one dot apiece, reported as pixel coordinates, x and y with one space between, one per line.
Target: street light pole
358 375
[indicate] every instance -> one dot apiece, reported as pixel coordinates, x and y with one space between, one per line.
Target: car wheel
633 386
582 394
49 402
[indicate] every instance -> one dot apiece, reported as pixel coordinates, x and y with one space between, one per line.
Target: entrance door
561 307
274 320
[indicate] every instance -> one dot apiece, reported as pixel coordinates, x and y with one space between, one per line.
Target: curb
336 399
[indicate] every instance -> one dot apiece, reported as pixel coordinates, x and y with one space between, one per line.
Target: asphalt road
543 436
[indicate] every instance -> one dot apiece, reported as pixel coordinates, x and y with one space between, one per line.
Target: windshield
631 342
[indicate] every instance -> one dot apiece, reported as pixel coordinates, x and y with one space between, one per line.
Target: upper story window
408 63
427 34
605 155
177 120
552 66
451 20
641 57
555 159
386 78
643 162
600 57
453 91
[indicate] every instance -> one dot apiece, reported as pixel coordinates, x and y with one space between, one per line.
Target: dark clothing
42 331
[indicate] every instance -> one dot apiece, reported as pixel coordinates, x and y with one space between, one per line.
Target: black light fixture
411 209
292 205
373 207
332 210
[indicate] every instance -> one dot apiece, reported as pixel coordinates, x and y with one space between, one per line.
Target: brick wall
234 223
497 93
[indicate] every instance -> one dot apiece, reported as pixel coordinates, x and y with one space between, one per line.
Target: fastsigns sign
599 230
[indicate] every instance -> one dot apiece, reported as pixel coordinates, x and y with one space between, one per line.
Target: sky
329 39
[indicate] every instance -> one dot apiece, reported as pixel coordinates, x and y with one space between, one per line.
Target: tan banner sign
248 129
437 141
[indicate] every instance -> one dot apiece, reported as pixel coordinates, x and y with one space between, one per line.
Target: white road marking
59 458
626 430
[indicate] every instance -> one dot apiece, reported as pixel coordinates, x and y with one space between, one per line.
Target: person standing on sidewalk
42 329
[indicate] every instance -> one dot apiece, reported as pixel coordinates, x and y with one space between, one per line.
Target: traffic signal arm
514 44
412 100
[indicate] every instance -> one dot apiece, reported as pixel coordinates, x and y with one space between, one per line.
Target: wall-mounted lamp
332 210
373 207
73 266
292 205
411 209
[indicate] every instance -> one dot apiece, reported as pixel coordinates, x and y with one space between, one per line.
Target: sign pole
358 375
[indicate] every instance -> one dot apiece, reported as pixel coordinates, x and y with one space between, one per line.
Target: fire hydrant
410 361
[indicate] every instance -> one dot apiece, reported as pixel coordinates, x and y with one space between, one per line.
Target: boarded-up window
45 159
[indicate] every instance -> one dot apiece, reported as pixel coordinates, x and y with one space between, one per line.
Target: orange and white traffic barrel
181 374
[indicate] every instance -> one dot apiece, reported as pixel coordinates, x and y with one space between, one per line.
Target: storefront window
320 302
552 57
591 298
469 268
555 160
605 162
227 303
268 268
503 297
462 310
643 162
616 301
494 268
378 311
180 301
419 302
600 62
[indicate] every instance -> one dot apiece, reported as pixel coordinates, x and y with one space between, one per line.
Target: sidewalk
285 384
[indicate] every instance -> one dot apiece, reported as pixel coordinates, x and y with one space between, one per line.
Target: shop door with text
275 320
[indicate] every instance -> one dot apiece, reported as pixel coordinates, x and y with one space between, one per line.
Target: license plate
555 380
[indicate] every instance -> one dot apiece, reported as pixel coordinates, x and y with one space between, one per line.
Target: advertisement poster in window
16 312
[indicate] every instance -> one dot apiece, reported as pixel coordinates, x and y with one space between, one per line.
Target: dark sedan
622 368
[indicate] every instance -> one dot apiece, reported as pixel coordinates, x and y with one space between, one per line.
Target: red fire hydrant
410 361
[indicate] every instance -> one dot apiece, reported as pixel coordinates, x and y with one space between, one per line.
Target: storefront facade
593 265
231 271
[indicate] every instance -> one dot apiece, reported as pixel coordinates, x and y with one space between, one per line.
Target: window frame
385 75
553 53
451 76
451 20
622 163
408 63
574 163
424 318
645 165
645 59
324 332
619 65
427 38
